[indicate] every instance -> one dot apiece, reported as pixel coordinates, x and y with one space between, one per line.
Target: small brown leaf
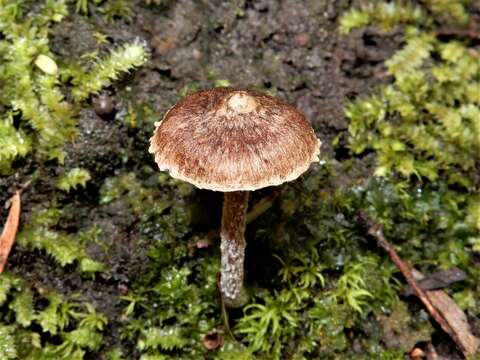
7 238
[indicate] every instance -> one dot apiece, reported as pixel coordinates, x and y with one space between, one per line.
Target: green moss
13 143
81 6
66 248
114 9
423 129
78 325
387 15
72 179
32 85
424 124
7 343
104 72
28 92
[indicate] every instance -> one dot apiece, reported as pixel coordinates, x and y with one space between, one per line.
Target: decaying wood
443 319
7 239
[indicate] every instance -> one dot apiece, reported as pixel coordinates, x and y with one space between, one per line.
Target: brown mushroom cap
226 139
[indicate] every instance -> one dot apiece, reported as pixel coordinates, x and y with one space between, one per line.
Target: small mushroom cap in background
227 139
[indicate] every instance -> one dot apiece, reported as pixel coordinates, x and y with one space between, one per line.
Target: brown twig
375 230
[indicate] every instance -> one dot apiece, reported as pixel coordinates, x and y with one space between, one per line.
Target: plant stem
232 248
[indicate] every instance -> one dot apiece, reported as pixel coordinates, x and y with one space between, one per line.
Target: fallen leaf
454 316
10 230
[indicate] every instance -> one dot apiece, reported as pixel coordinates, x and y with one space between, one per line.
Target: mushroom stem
233 248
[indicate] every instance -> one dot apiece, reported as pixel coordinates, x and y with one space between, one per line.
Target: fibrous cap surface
227 139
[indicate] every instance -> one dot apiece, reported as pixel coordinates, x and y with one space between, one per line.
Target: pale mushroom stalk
232 248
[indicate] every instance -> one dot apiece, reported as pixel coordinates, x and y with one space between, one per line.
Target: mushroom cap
227 139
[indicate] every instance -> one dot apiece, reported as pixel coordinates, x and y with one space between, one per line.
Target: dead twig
375 230
9 233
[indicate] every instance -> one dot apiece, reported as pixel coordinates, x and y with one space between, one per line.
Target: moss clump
72 179
111 9
42 324
102 74
25 91
425 123
172 306
66 248
35 116
424 126
391 14
385 15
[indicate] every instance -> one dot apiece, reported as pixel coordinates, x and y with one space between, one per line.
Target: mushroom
234 141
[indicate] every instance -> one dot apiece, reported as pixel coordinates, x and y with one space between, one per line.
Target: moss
114 9
92 80
33 95
30 94
66 248
111 9
387 15
414 125
77 325
74 178
82 6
